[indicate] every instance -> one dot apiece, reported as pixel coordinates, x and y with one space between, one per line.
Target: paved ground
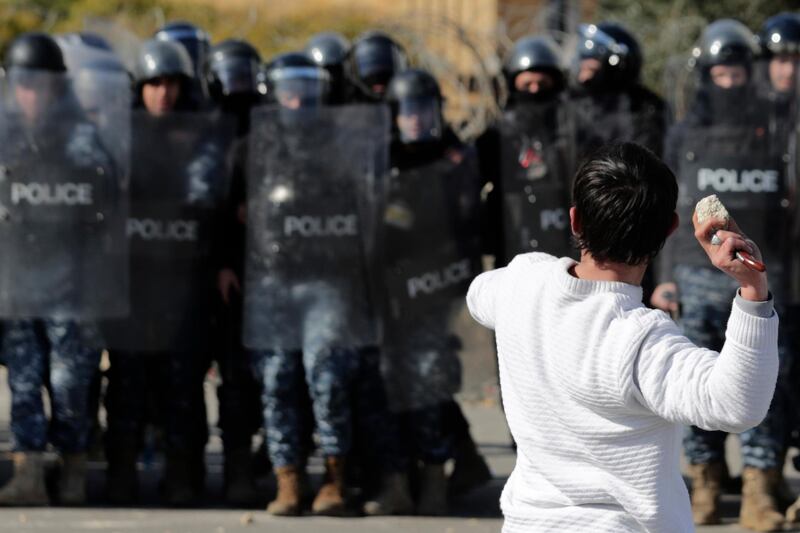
476 513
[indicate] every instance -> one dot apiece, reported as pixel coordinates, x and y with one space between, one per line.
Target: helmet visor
419 120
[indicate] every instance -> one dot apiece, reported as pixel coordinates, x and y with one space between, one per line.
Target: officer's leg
73 365
281 374
185 428
126 408
330 370
764 492
379 439
25 358
705 298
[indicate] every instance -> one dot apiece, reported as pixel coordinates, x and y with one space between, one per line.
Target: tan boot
240 487
27 486
793 513
72 482
288 500
706 490
759 509
394 497
433 491
331 498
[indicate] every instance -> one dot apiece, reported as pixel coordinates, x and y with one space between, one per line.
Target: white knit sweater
596 388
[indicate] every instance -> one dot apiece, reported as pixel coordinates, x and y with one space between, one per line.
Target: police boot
394 497
432 491
178 484
27 486
706 490
759 509
288 500
331 498
240 487
470 470
793 513
72 481
122 477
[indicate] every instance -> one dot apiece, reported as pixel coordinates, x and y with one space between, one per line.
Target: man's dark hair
625 197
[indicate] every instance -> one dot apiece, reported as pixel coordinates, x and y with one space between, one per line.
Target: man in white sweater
596 386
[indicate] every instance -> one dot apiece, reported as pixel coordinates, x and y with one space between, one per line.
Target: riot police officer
233 67
726 146
298 305
526 155
329 50
433 195
608 99
49 145
158 354
197 43
373 59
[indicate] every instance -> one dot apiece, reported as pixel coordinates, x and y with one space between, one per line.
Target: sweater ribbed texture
596 387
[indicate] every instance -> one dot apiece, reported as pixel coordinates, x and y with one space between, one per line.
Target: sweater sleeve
729 391
482 295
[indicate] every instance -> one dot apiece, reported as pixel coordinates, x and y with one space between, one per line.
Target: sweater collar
585 287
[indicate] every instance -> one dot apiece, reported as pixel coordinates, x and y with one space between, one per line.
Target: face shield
375 66
419 120
597 54
300 87
34 92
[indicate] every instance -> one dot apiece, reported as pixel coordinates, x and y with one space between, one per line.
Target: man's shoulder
532 258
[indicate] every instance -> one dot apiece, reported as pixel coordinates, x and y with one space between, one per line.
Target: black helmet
613 55
415 92
632 64
374 58
327 49
233 66
35 51
162 58
193 39
781 34
294 76
534 54
725 42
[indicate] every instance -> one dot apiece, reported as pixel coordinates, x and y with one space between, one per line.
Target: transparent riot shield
313 198
63 199
734 143
179 178
431 254
536 169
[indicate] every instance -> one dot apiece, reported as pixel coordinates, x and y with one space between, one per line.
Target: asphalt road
476 513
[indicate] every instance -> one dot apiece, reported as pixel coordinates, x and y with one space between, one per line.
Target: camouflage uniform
56 354
705 298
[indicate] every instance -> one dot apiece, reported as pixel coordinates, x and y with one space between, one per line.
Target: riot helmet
780 48
416 102
730 45
600 60
374 58
233 66
536 55
631 67
329 51
295 82
196 43
34 69
167 65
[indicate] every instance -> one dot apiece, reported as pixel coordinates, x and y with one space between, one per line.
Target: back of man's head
625 199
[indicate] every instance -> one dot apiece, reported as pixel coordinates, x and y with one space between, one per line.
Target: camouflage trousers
705 298
54 354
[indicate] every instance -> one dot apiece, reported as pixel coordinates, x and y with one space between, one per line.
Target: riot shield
432 253
313 197
732 144
179 179
536 169
63 199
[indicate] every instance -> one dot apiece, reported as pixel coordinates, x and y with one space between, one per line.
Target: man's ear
574 221
676 220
